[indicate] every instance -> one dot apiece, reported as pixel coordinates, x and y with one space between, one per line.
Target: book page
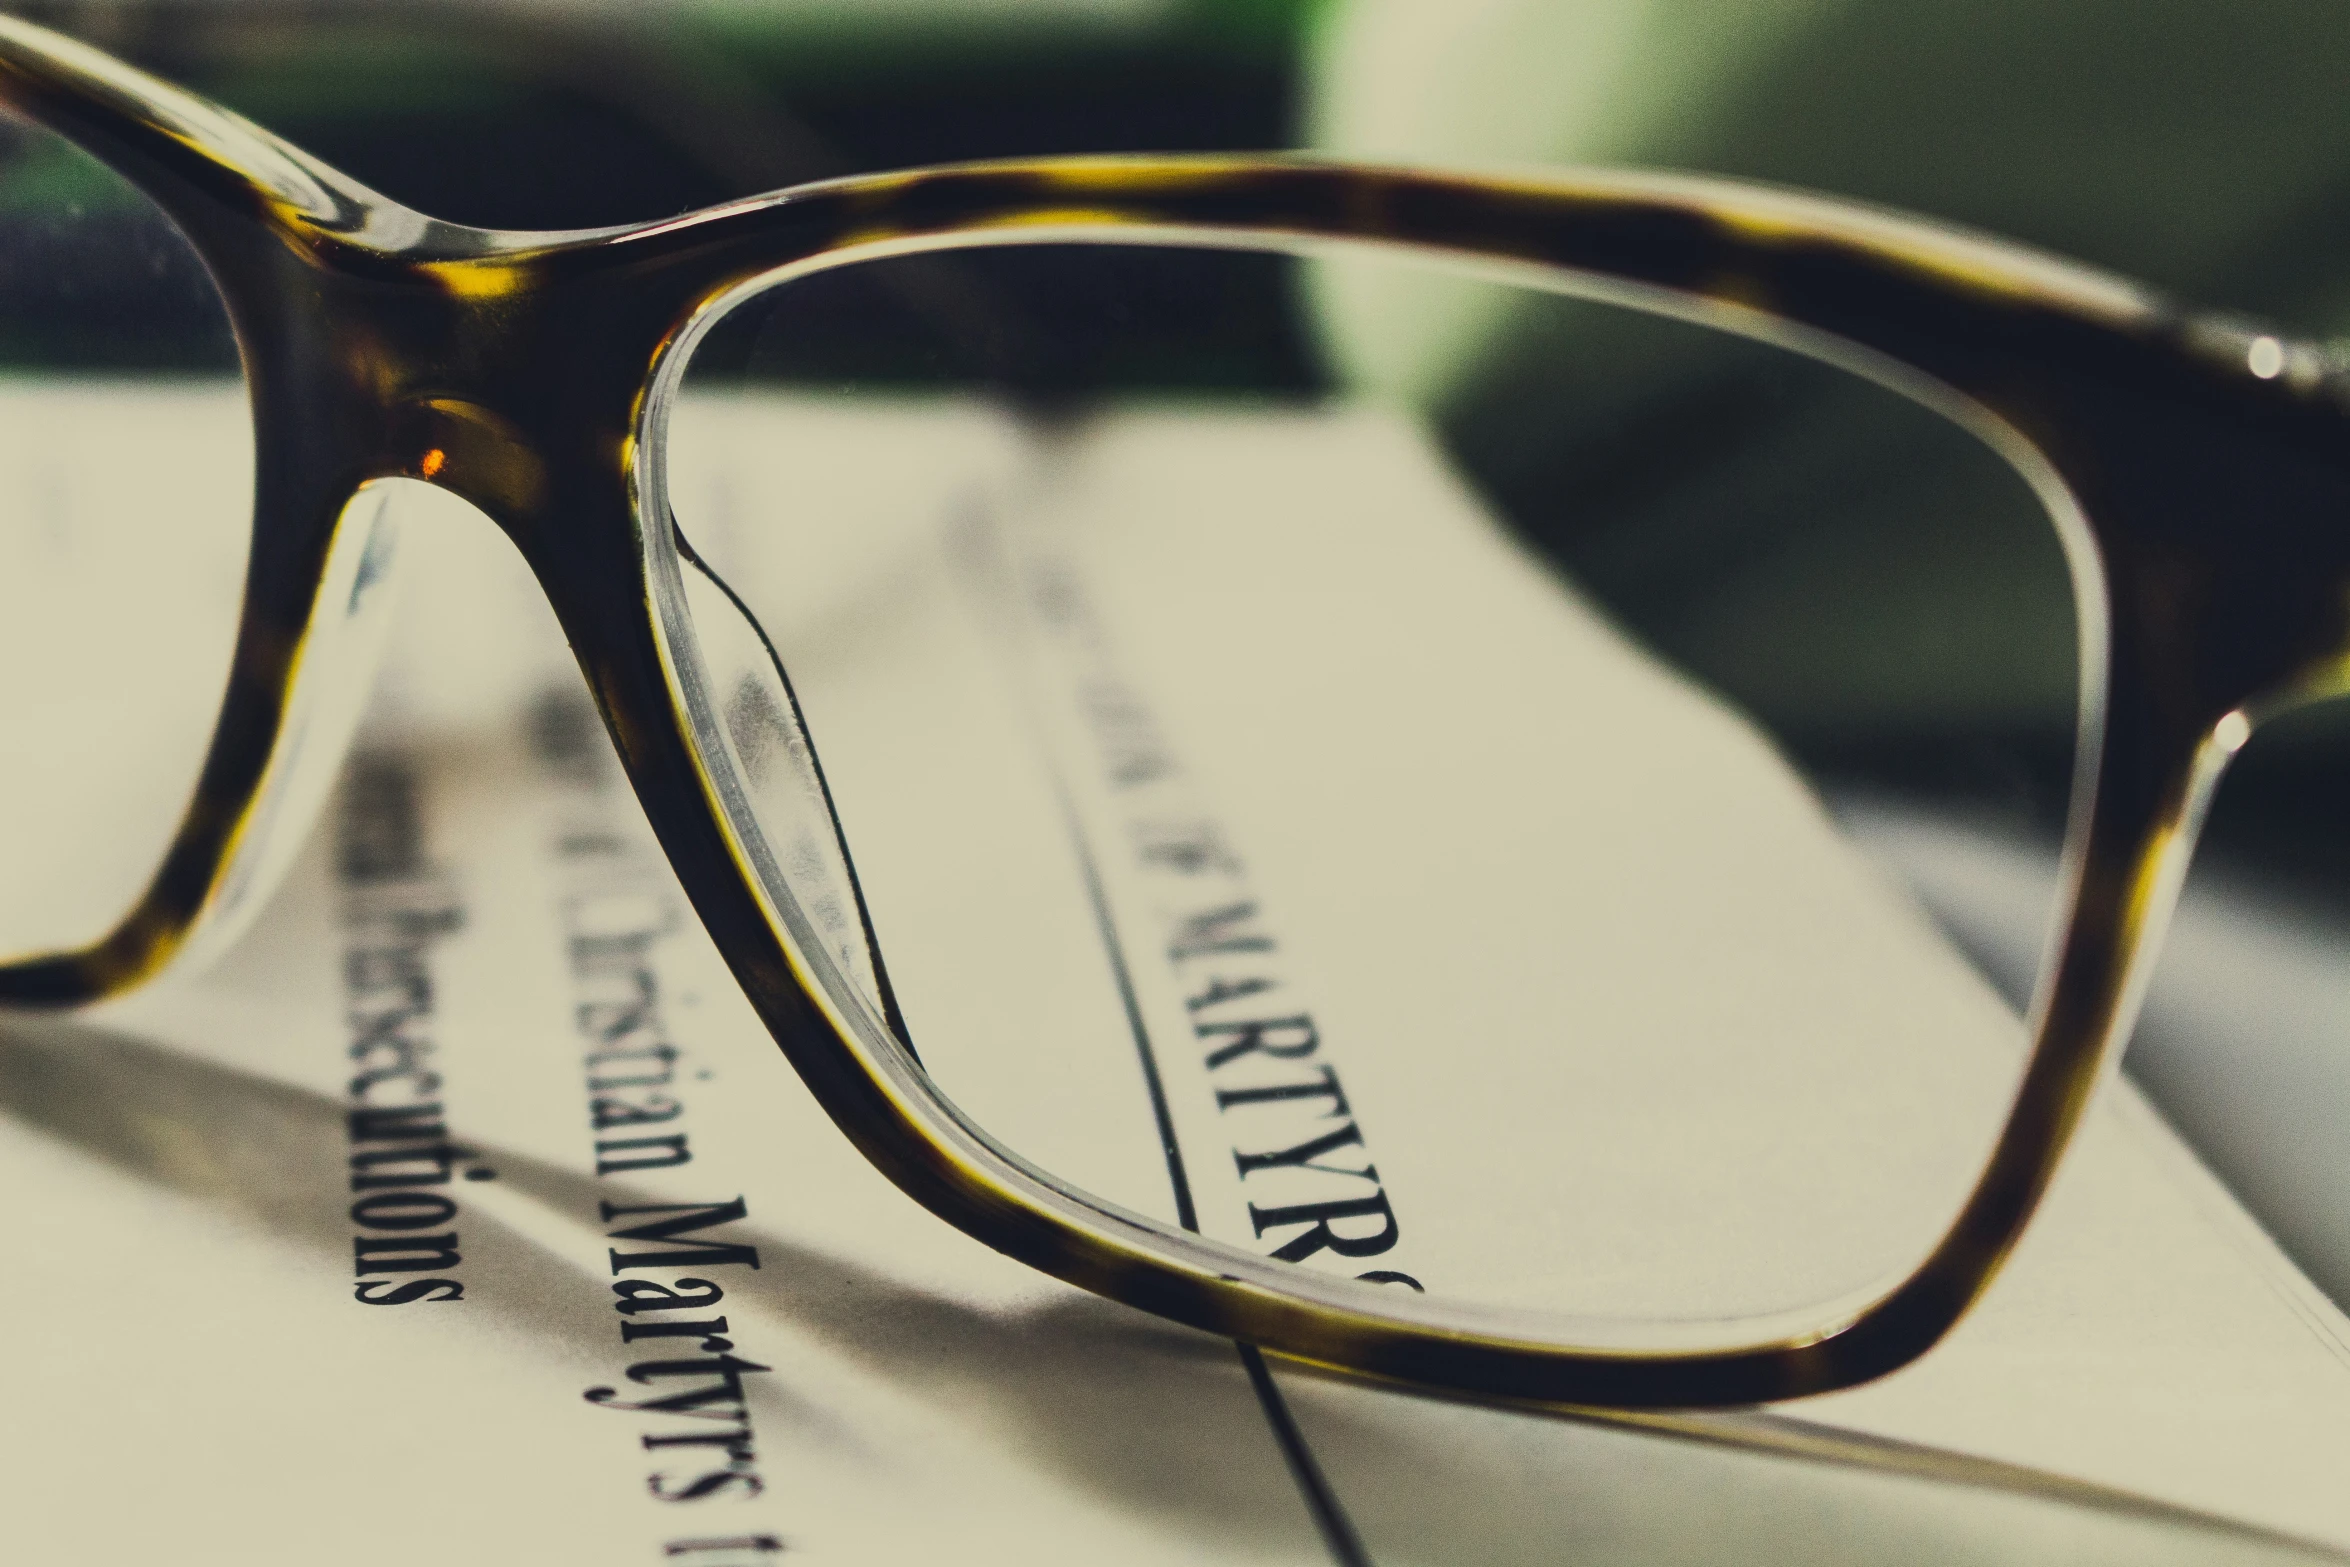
2214 1375
465 1211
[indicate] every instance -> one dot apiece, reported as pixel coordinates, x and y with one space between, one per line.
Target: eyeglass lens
1341 754
126 484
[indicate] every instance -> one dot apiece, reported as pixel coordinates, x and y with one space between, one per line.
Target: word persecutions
395 908
618 906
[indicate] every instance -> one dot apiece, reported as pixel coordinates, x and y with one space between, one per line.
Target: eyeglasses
1638 1093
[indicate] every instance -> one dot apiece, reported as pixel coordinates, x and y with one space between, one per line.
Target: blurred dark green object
91 276
561 116
2199 147
539 114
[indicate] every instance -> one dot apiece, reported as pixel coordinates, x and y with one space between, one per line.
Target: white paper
123 516
2241 1041
191 1342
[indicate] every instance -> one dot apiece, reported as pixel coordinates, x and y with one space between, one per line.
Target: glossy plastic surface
2201 468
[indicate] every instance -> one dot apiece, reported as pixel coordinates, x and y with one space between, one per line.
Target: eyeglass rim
1935 310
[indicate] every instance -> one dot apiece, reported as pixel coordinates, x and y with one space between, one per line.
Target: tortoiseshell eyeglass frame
2199 468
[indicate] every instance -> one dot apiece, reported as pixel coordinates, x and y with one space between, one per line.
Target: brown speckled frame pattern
2200 468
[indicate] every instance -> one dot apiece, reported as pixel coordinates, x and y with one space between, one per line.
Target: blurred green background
2203 148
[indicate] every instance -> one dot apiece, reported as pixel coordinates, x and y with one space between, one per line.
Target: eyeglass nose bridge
471 450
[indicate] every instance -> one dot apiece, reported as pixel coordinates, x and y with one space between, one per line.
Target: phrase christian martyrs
395 907
618 905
